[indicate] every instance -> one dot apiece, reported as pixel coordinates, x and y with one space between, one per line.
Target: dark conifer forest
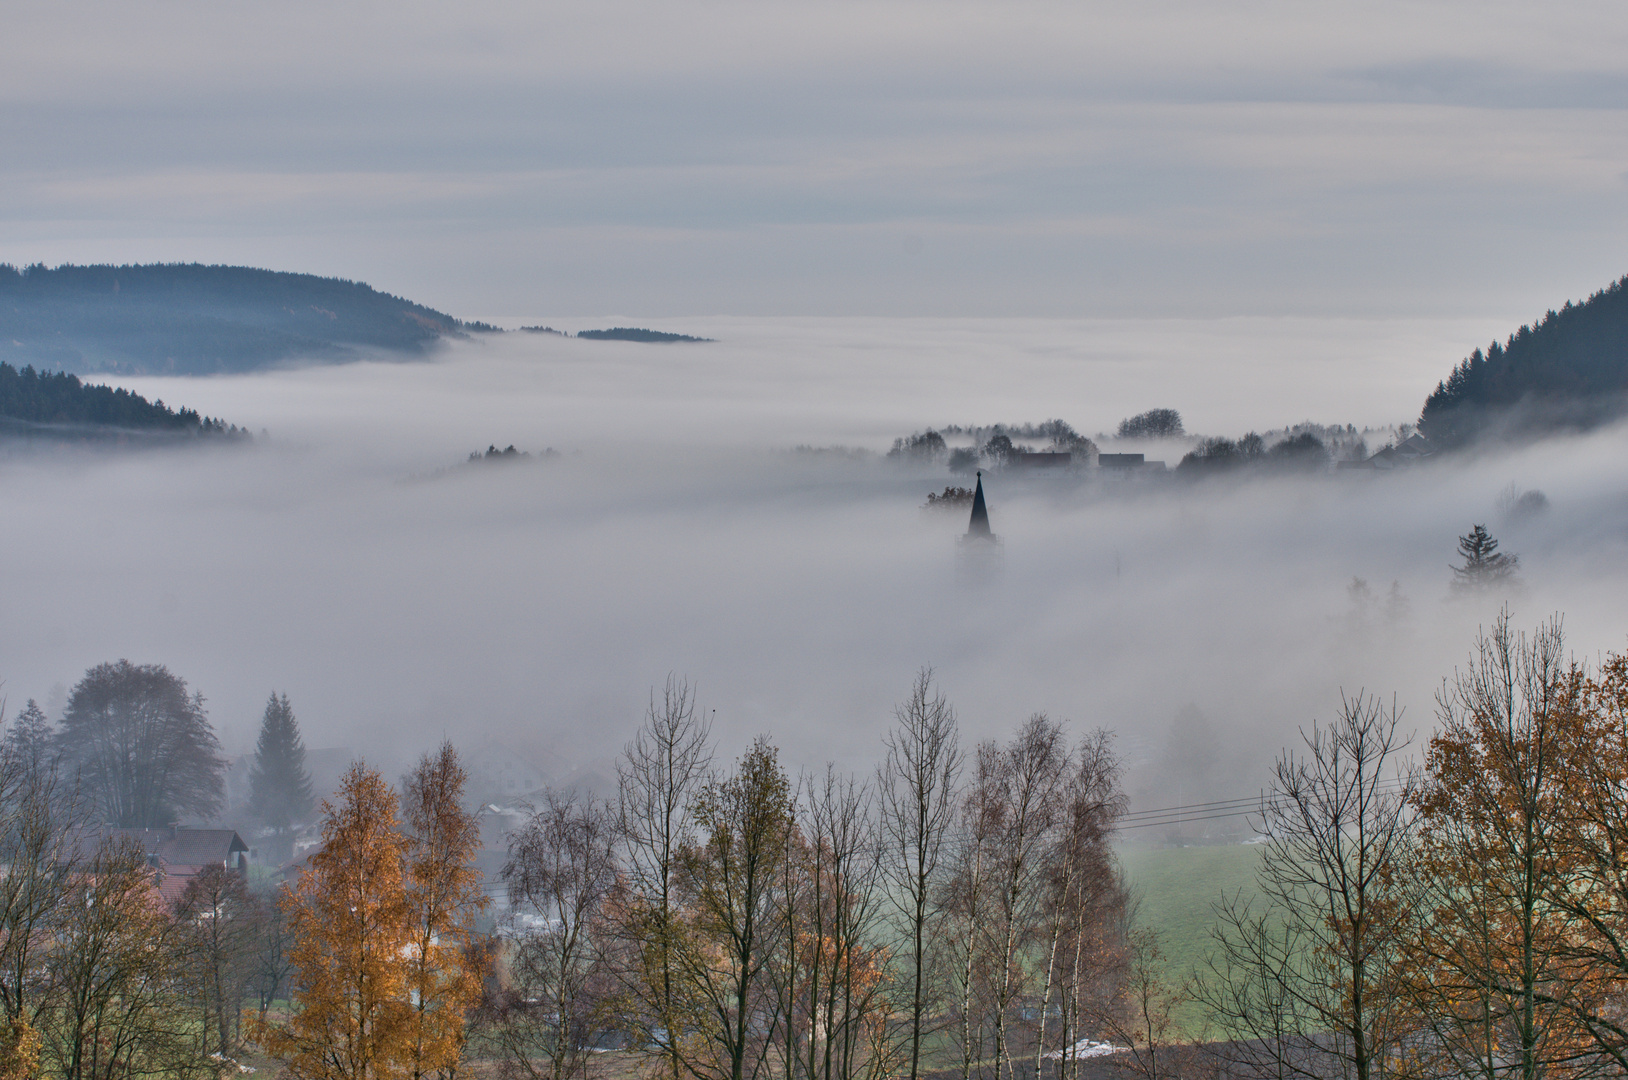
633 333
1566 370
58 404
190 319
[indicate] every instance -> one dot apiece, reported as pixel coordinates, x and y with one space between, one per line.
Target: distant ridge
1568 370
191 319
631 333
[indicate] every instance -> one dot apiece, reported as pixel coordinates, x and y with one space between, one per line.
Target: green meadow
1175 889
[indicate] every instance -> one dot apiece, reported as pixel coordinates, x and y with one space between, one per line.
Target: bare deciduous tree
39 847
967 902
143 746
1145 1020
1334 878
1033 768
917 790
658 776
272 963
218 934
112 966
832 976
732 884
561 873
1498 978
1085 898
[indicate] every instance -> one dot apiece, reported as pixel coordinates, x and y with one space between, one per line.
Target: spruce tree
279 787
1484 566
30 736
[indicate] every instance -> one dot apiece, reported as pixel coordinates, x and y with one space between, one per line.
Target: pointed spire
979 525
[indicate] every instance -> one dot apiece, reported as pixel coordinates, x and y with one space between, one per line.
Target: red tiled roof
178 848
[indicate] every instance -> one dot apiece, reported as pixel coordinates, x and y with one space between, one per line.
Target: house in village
1039 459
499 774
179 854
1124 466
1410 451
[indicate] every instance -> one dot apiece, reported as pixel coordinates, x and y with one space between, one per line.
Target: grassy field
1175 888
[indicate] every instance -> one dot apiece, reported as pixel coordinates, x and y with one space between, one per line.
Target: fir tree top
1484 565
30 736
279 786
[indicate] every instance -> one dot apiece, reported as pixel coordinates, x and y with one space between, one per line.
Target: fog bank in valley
349 560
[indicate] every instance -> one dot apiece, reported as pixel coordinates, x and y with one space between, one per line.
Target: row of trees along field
954 913
957 913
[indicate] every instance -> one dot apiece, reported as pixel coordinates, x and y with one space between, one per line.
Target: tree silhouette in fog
1484 565
30 737
279 785
1153 424
143 747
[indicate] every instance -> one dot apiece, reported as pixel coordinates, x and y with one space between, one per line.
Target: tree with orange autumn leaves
1502 909
1494 970
382 982
444 896
1470 920
1593 844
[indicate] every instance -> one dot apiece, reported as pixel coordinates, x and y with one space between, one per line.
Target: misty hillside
191 319
57 404
1568 370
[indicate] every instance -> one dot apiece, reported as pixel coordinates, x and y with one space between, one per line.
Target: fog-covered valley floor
348 559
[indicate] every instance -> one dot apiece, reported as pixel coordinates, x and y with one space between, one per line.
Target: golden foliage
444 896
1494 971
351 920
19 1051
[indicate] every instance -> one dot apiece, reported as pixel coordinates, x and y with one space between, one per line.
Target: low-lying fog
348 560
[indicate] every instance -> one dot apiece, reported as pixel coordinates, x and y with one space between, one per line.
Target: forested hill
1568 370
192 319
56 404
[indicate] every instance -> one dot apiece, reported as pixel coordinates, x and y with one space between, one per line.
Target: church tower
978 527
979 552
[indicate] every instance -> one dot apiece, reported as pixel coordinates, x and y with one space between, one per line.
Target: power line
1223 808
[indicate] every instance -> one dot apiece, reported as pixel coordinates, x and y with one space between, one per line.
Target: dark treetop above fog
190 319
1567 370
633 333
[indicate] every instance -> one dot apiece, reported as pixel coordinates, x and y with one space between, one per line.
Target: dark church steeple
978 527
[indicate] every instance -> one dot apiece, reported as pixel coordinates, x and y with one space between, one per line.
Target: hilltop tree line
1568 369
56 399
993 447
193 319
1304 447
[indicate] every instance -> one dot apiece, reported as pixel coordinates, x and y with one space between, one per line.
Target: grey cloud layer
537 604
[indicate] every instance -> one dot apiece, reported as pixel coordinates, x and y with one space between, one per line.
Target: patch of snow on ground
1088 1048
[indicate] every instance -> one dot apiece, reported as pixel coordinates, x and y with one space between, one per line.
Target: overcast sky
1465 159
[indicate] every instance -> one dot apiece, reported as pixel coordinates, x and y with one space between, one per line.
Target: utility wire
1222 809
